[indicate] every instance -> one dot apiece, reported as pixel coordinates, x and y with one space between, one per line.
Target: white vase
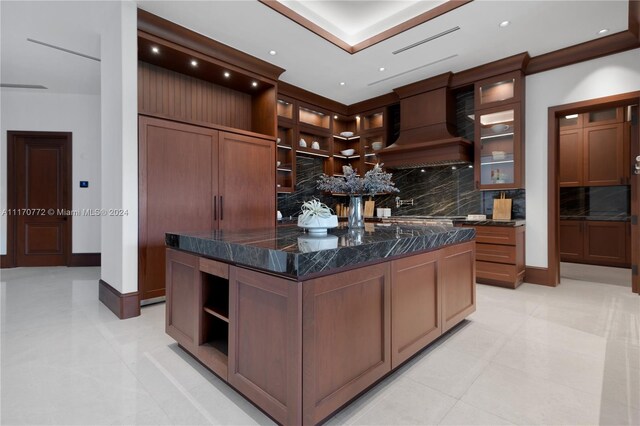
318 225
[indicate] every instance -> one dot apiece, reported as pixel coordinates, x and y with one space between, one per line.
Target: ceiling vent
22 86
414 69
426 40
73 52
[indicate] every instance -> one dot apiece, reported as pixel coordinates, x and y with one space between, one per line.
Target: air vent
22 86
413 69
426 40
73 52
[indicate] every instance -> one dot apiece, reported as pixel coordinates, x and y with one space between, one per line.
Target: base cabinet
605 243
302 350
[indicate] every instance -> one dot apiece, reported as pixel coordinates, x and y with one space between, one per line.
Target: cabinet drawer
496 253
497 272
496 235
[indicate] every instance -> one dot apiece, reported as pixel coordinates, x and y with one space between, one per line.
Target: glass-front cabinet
499 151
498 142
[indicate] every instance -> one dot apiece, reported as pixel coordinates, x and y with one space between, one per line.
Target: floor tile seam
484 408
487 358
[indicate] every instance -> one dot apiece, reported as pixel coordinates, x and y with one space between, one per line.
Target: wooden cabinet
194 178
500 255
499 150
457 273
605 243
592 149
183 281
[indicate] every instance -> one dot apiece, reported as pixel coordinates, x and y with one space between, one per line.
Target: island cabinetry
346 337
456 270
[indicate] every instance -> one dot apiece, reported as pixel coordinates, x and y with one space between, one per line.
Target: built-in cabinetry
300 350
500 255
595 242
308 130
499 153
592 149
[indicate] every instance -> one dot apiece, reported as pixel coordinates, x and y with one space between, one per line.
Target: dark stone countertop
289 252
491 222
604 218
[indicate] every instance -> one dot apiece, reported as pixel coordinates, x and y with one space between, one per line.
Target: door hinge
634 219
634 269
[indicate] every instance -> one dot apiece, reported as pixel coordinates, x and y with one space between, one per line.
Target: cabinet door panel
247 182
176 180
415 305
605 243
183 277
457 275
603 157
571 240
571 158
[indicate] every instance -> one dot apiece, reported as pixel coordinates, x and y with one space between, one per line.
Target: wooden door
571 240
39 195
177 184
571 158
247 182
603 159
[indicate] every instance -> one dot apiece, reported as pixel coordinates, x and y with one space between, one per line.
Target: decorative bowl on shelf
278 140
317 225
500 127
315 145
348 152
377 146
346 134
302 143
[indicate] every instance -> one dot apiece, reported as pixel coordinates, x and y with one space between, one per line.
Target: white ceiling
311 62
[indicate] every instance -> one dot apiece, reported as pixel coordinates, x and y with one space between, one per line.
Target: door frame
12 194
553 165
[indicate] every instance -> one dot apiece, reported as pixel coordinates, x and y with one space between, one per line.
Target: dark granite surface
604 218
491 222
596 201
288 251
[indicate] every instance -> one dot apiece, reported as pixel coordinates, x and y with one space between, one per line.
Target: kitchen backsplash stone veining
595 201
436 191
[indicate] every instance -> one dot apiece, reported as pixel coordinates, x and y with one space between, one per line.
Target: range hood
428 134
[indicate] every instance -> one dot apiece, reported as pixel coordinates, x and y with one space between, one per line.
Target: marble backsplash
595 201
436 191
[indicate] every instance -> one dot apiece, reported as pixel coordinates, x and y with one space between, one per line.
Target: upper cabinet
499 150
592 148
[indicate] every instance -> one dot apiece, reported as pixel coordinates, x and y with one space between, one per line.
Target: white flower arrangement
317 217
375 181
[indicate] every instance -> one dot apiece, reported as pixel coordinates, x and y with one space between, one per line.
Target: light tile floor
536 355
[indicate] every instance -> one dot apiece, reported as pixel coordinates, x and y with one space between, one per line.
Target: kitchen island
300 325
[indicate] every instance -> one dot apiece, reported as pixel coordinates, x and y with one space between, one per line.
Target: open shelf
285 109
373 121
313 152
224 316
314 118
214 326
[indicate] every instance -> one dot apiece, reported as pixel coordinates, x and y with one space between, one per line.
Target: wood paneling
457 273
173 95
571 240
265 340
178 186
495 253
415 305
183 279
496 234
604 151
605 243
346 337
247 182
571 158
122 305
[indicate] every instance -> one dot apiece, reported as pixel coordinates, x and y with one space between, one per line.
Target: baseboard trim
537 275
123 305
85 259
5 261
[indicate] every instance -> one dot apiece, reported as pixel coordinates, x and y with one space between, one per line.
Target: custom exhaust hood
428 134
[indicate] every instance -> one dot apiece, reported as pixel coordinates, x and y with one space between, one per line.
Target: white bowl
377 146
346 134
318 225
348 152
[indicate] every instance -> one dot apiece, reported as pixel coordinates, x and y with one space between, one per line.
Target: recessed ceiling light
272 52
381 69
504 24
194 63
335 117
603 31
471 166
342 83
227 74
422 170
254 84
454 167
155 49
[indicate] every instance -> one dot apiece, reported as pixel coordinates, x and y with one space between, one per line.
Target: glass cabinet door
498 148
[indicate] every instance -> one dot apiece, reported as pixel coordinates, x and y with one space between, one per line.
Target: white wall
119 150
78 114
601 77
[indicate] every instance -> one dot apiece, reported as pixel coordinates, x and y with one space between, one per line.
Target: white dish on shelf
346 134
315 145
278 140
348 152
302 143
278 164
498 155
377 146
499 128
